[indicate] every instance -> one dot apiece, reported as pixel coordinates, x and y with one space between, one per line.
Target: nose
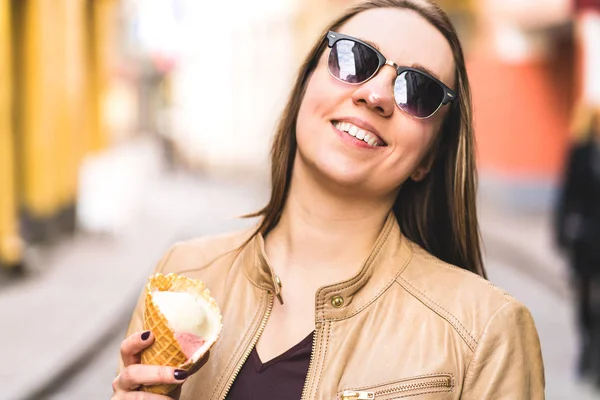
377 93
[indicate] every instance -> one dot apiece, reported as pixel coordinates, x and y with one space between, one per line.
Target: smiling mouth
358 133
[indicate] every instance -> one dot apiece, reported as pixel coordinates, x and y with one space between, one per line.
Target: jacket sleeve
136 324
507 363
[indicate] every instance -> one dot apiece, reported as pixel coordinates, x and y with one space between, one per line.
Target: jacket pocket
402 388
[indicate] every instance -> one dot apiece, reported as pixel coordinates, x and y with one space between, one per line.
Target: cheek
304 120
414 137
317 102
318 93
412 145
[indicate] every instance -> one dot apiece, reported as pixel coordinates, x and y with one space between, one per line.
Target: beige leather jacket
407 326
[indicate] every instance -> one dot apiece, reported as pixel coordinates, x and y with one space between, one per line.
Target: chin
333 167
341 173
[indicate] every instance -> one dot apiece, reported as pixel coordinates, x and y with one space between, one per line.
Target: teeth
356 132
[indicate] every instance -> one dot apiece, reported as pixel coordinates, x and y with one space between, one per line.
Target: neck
323 234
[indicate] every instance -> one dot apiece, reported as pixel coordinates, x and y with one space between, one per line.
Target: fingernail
180 374
145 335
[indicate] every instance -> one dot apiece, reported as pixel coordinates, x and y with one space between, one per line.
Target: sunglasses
354 62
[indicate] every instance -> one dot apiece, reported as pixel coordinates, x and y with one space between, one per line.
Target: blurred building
62 100
233 73
83 83
54 74
523 71
11 244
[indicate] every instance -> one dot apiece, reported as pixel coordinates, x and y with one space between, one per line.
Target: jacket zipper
310 364
257 335
360 395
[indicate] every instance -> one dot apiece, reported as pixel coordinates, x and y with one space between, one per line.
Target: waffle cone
166 350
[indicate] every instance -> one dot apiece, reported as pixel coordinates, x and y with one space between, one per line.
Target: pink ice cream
189 343
190 319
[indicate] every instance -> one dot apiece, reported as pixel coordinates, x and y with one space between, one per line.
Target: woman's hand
135 374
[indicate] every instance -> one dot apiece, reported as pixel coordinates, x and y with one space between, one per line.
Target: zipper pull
357 395
278 287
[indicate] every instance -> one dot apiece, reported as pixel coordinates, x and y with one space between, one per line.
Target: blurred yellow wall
65 71
40 110
57 58
10 241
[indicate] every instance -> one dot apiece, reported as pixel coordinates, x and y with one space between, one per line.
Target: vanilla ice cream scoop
185 312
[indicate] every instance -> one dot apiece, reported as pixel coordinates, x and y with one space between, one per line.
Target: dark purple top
281 378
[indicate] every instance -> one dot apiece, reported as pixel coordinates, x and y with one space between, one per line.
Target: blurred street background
128 125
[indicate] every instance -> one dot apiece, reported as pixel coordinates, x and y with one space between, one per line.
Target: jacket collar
390 255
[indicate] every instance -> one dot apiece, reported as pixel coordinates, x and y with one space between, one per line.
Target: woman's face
406 38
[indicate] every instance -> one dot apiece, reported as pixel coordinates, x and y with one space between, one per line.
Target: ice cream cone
166 350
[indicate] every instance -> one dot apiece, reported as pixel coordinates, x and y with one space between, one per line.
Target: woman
578 234
347 289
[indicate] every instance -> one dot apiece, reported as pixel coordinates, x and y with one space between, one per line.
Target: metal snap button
337 301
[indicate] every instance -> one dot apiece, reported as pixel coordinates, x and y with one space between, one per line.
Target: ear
423 169
419 174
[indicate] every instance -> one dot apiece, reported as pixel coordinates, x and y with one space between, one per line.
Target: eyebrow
370 43
415 65
426 70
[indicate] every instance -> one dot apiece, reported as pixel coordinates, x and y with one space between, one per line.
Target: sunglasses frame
334 37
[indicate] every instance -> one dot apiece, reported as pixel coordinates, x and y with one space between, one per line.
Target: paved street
94 380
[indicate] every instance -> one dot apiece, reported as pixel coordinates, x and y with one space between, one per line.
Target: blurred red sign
587 5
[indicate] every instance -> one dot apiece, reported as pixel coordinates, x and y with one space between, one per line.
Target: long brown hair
586 121
439 213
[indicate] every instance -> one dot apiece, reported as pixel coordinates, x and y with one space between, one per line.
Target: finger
133 346
137 374
139 396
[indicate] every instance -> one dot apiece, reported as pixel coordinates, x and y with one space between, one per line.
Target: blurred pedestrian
364 277
578 234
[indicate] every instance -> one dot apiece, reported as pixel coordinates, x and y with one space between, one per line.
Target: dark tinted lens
417 94
352 62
